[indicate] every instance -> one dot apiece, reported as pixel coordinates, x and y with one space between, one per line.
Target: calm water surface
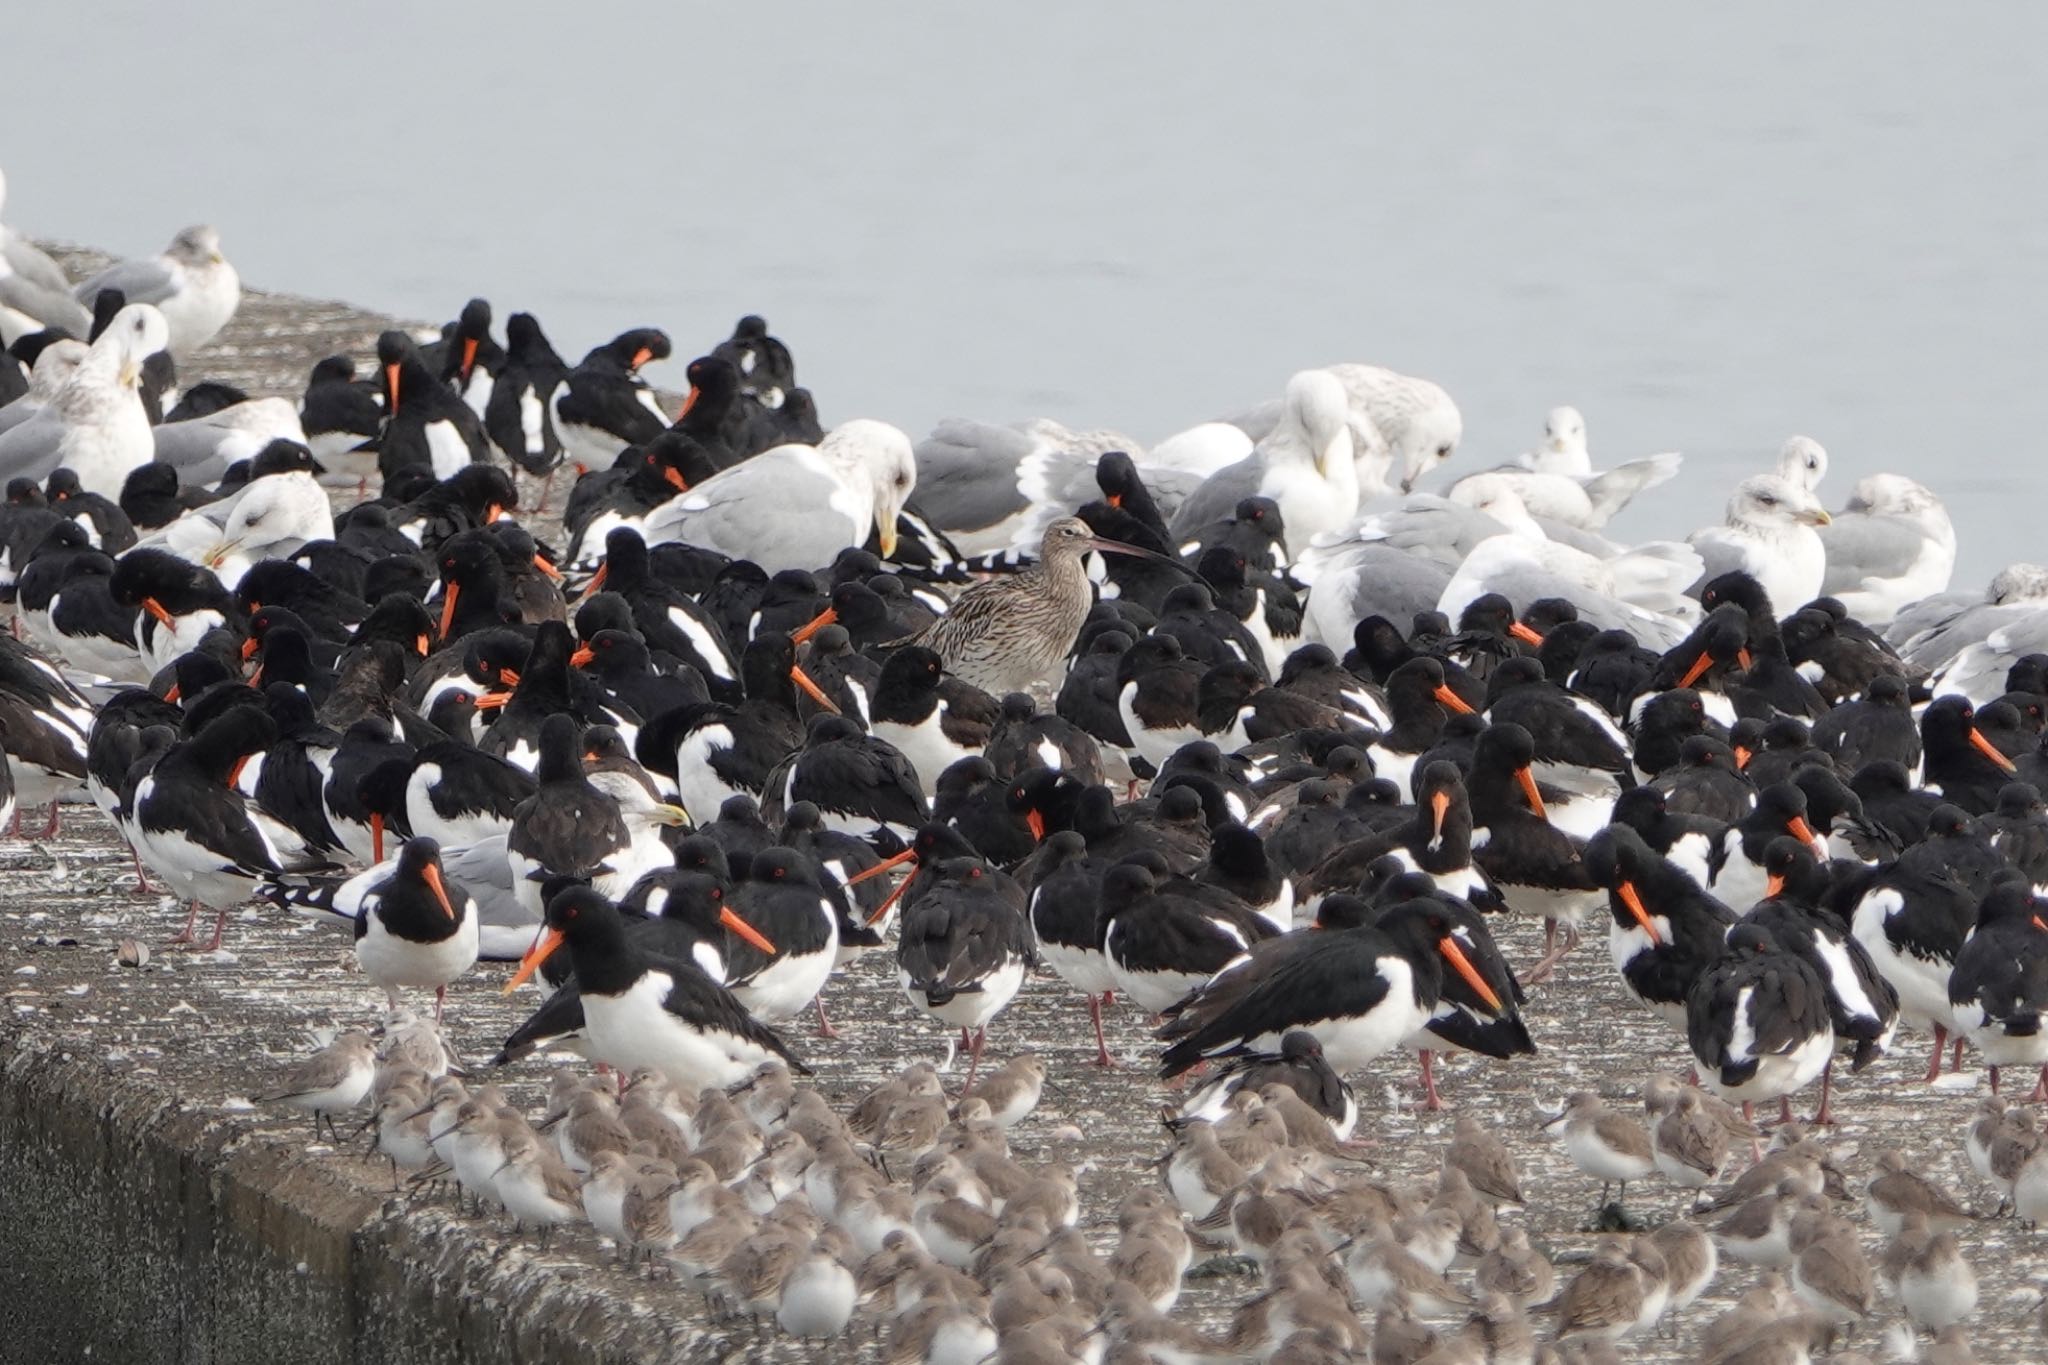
1707 231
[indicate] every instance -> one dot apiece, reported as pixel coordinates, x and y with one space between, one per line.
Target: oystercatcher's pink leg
1824 1117
191 918
1431 1101
1934 1062
1102 1057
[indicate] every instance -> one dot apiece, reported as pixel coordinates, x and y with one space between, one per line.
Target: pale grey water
1706 230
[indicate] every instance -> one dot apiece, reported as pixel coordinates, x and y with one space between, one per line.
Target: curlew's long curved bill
1118 547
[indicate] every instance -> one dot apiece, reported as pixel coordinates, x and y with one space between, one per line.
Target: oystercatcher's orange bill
1448 946
1634 902
549 940
1527 777
811 689
448 607
730 919
814 625
1525 633
882 910
431 874
1990 750
894 860
1451 699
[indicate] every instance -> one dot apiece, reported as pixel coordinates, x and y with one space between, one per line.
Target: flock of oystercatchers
1243 728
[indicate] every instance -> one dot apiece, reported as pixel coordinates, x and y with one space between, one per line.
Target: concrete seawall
140 1229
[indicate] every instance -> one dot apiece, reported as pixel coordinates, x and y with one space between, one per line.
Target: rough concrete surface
155 1214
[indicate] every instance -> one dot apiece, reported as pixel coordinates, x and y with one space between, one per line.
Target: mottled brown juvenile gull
798 506
191 282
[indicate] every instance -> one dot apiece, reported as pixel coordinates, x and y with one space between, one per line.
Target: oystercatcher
196 829
1299 1066
518 416
1966 767
933 720
1915 914
716 751
1464 1017
785 900
1436 841
667 619
1666 931
427 425
1360 990
409 931
45 725
1065 912
1862 1006
962 951
1999 988
860 784
671 1018
603 405
1758 1020
1164 936
1537 867
1780 810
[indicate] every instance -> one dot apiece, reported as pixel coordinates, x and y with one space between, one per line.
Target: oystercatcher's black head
1345 911
590 926
1793 871
561 753
697 853
1739 588
2012 901
634 348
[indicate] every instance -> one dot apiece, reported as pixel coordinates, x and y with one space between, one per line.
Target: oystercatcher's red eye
973 873
716 894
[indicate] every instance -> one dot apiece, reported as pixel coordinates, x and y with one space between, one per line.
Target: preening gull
798 506
1893 545
1640 590
191 283
53 370
1414 418
33 291
1931 632
1557 483
1979 671
202 448
95 424
1769 535
1305 464
277 512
